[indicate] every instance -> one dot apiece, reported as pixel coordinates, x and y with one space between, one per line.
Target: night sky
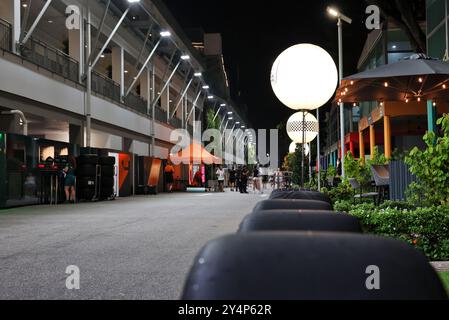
255 33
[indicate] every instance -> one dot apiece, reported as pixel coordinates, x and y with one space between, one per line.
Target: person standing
256 179
244 180
169 176
221 178
238 179
70 180
232 178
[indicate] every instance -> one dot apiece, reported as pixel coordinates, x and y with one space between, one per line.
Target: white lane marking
204 195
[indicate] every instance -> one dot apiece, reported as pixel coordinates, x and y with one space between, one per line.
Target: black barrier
300 195
276 204
311 266
300 220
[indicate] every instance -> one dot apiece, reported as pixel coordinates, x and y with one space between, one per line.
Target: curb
440 266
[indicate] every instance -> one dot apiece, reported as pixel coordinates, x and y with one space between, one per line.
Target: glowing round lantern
304 77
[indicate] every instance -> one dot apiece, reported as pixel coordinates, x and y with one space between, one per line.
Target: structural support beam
387 137
114 31
232 133
143 68
372 139
183 94
100 27
142 50
35 23
361 145
221 124
194 105
167 83
431 117
216 114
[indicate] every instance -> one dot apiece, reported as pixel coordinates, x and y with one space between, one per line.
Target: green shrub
431 166
341 192
425 228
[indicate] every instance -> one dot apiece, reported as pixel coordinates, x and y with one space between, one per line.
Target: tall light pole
341 17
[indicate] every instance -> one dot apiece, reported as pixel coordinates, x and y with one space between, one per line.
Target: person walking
70 180
221 178
169 179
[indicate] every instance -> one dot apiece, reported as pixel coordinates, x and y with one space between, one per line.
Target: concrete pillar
118 68
76 47
145 85
431 117
10 11
361 145
387 137
76 134
372 139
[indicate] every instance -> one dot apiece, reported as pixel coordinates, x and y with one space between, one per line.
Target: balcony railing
5 35
51 59
56 61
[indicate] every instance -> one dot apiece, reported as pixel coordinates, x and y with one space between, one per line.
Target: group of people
238 179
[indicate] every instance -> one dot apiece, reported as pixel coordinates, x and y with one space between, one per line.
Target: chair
299 220
357 187
310 266
292 204
381 175
300 195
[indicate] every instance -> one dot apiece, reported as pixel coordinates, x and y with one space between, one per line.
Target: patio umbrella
416 78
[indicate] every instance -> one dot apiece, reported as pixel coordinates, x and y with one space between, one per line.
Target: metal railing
5 35
160 114
105 86
51 59
176 122
137 103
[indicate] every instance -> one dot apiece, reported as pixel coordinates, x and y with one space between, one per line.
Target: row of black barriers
295 247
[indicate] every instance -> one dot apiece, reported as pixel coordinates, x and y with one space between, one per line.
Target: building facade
118 75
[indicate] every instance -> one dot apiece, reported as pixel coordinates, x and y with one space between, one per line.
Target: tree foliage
431 165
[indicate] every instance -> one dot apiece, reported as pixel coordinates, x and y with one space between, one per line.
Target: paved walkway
132 248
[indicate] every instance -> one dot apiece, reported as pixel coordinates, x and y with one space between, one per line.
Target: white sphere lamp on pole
304 77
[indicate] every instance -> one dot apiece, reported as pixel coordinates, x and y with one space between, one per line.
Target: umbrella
415 78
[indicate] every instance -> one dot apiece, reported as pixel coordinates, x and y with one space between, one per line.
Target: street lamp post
341 17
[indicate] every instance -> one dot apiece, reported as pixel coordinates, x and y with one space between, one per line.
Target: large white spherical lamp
292 148
304 77
302 125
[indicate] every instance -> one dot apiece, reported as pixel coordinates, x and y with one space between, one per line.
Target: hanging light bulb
420 80
406 100
444 86
419 99
386 84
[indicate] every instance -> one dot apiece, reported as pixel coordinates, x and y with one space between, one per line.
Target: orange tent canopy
195 153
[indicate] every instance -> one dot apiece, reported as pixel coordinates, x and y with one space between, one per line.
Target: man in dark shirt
244 180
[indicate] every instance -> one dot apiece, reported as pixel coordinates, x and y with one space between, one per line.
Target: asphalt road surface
131 248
